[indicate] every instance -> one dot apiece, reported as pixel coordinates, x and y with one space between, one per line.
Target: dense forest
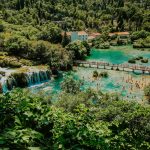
31 30
119 15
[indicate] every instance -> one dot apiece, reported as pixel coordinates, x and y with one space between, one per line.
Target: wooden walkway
118 67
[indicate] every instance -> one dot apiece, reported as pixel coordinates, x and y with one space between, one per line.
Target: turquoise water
114 83
118 55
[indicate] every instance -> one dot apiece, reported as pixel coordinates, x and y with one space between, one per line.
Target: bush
2 73
144 60
1 27
102 45
26 62
120 41
139 35
132 61
147 91
113 37
105 45
15 64
139 58
3 53
103 74
70 85
101 42
17 45
87 120
142 43
78 49
10 63
95 74
51 33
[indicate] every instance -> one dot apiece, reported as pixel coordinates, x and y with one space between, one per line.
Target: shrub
139 58
104 74
132 61
113 37
15 64
17 45
2 73
100 43
139 34
10 63
147 91
70 85
1 27
95 74
51 33
3 53
105 45
77 49
142 43
144 60
26 62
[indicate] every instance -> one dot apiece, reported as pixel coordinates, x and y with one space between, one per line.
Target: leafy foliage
147 91
79 14
86 120
78 49
70 85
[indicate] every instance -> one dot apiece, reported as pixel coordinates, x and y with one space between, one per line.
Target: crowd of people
128 84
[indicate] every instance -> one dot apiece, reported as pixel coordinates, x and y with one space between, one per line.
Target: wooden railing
118 67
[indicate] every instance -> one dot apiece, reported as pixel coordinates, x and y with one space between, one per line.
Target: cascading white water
4 84
30 78
37 77
3 79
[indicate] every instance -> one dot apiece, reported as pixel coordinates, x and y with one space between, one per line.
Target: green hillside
119 15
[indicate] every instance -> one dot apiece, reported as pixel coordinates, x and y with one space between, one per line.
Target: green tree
1 27
70 85
147 92
77 49
65 40
87 46
41 52
50 32
17 45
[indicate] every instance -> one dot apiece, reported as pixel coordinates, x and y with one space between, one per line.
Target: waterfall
37 77
27 79
3 84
